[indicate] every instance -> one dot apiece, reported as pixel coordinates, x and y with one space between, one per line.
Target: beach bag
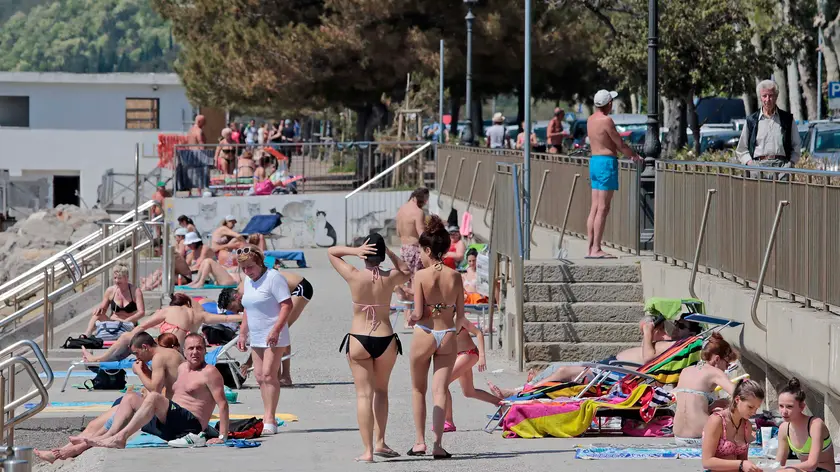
263 188
218 334
83 341
657 427
107 381
112 330
244 429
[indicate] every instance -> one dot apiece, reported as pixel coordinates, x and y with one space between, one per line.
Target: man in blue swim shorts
605 143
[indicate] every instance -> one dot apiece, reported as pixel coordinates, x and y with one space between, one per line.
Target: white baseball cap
603 97
181 232
192 238
230 218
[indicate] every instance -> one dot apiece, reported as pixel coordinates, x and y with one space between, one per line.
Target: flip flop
390 454
442 456
601 257
412 452
363 461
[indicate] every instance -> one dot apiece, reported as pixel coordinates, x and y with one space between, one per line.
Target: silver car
823 144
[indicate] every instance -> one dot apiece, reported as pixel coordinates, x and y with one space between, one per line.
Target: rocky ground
44 233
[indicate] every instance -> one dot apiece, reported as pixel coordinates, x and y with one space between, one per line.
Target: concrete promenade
326 436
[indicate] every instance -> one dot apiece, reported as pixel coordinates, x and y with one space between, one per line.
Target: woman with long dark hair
438 309
371 345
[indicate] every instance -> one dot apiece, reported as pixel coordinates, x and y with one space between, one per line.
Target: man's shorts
179 422
603 172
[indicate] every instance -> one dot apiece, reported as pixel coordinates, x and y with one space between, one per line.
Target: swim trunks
179 422
410 253
603 172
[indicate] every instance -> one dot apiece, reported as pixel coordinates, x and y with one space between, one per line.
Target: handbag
112 330
105 380
83 341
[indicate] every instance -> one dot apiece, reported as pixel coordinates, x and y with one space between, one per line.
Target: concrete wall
309 220
799 341
97 106
29 154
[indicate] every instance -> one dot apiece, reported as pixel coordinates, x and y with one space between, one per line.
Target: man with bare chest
165 363
195 394
605 143
410 223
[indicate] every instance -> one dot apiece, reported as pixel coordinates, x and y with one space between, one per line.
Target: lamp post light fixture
467 137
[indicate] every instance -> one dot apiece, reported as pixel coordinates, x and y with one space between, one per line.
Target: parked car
822 142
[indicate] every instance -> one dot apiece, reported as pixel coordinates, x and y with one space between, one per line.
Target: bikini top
437 307
129 307
726 447
370 309
806 448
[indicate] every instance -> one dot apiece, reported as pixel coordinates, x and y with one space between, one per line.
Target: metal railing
8 393
72 250
50 276
745 222
323 166
468 174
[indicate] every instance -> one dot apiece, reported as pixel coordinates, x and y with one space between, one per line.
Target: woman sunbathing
221 275
655 341
694 391
180 318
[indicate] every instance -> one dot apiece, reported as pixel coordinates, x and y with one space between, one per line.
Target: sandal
412 452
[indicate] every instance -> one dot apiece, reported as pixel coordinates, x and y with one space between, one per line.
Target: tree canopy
85 36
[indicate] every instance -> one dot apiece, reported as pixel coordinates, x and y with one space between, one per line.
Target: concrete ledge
576 332
583 292
583 312
556 271
572 352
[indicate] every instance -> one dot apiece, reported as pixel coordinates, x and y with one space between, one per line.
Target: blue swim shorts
603 172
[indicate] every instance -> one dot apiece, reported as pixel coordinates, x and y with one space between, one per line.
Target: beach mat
659 451
105 406
205 287
60 374
145 440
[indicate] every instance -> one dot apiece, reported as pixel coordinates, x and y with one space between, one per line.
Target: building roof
98 79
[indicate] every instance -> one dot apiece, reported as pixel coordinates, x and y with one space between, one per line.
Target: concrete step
545 352
582 332
583 292
551 312
607 270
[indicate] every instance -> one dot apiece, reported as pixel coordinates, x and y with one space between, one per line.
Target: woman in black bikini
438 309
368 345
124 300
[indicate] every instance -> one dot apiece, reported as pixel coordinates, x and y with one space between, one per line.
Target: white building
61 132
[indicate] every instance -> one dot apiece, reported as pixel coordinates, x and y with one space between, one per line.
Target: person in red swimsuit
728 433
457 248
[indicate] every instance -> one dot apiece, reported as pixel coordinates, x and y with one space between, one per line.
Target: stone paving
326 436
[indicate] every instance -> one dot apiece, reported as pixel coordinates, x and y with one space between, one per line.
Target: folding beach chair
624 377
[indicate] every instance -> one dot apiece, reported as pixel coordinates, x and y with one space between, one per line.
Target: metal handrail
759 287
39 355
700 238
87 253
39 268
39 389
387 171
69 286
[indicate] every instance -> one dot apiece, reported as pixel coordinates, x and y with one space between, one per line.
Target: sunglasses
244 251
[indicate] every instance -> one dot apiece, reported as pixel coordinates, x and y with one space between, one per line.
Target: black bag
89 342
107 381
218 334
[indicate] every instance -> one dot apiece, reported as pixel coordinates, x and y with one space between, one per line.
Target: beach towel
670 308
466 224
563 417
205 287
657 451
296 256
145 440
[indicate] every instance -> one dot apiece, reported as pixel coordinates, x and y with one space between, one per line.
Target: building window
14 111
142 113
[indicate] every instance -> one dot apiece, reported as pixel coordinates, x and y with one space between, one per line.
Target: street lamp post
467 138
652 144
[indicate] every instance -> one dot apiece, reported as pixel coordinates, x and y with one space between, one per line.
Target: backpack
218 334
107 381
244 429
89 342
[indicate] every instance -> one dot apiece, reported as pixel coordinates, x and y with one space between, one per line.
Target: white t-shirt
261 301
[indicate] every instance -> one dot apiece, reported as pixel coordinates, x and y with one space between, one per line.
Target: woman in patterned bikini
728 433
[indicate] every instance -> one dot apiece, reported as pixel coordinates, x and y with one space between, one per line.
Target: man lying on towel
159 379
657 337
179 420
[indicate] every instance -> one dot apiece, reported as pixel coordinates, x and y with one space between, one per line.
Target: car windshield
828 141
